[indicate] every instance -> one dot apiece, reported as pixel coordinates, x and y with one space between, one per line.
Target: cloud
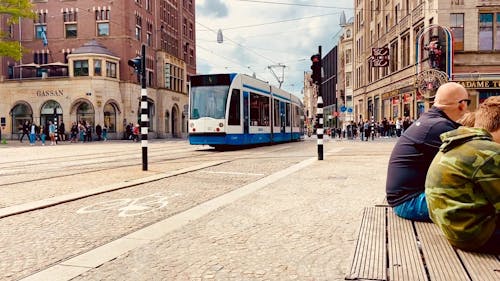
213 8
258 35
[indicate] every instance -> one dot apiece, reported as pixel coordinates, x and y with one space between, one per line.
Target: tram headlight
191 125
221 124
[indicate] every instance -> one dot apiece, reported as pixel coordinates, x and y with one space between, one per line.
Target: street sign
343 109
349 110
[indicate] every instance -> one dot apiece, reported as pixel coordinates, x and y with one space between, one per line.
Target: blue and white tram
237 109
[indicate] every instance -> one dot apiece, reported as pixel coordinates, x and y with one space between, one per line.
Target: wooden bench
392 248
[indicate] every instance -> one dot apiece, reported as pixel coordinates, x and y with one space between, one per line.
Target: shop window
20 114
110 117
81 68
85 112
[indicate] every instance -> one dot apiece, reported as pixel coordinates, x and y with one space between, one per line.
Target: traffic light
136 64
316 68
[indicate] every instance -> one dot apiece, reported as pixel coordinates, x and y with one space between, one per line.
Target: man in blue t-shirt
415 149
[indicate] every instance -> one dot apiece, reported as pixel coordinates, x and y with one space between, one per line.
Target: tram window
276 113
259 110
254 109
287 115
264 102
234 108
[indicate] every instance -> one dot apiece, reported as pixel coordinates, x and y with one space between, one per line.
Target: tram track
189 209
69 235
44 203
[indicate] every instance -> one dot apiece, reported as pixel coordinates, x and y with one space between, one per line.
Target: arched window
50 110
85 112
110 117
167 122
20 114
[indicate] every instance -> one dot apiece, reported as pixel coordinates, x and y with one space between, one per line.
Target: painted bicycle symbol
128 207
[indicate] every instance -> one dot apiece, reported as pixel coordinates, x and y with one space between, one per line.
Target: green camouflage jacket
463 187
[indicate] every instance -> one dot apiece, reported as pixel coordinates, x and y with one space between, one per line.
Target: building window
394 57
486 31
110 69
97 67
102 22
348 78
70 24
457 26
138 27
40 29
81 68
348 54
103 29
149 34
70 30
405 50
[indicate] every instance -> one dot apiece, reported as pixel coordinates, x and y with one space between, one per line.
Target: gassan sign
49 93
483 84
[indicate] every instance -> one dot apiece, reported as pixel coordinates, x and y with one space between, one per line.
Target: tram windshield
208 101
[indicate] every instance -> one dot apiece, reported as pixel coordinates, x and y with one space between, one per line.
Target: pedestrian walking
25 130
52 133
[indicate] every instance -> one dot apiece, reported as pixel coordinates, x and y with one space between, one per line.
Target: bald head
449 94
450 99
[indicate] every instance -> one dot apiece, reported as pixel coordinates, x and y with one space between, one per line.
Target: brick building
75 67
468 33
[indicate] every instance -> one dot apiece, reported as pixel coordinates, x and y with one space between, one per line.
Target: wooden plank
441 259
405 260
481 267
369 262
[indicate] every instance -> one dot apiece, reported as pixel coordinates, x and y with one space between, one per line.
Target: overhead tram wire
244 47
345 8
229 60
276 22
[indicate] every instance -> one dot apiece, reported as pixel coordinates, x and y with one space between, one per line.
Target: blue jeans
414 209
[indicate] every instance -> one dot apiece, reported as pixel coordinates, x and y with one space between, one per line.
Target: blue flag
44 38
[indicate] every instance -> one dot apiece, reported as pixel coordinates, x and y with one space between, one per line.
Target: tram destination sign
482 84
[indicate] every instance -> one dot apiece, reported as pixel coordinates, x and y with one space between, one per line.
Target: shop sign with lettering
49 93
484 84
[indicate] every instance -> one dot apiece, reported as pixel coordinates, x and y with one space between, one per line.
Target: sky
259 34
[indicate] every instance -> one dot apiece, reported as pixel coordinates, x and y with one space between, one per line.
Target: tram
230 110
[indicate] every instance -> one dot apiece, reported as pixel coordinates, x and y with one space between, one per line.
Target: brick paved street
275 213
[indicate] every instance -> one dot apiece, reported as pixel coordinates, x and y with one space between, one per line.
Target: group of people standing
370 129
445 168
81 131
34 132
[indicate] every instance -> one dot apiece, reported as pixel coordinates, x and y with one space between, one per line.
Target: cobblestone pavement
302 227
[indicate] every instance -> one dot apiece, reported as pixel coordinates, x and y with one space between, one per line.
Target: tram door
246 119
283 116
